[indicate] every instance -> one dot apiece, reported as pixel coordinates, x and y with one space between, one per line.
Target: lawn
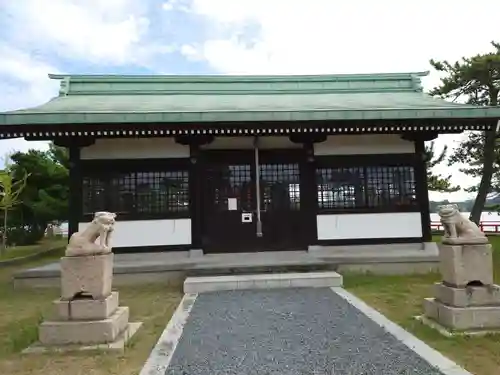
23 251
400 299
22 311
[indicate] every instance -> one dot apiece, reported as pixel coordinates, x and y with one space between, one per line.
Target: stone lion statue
83 243
457 228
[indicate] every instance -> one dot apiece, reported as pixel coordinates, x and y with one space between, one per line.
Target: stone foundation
88 312
87 309
462 318
85 332
469 296
466 301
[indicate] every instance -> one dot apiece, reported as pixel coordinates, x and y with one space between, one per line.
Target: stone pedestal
88 312
466 301
86 276
461 265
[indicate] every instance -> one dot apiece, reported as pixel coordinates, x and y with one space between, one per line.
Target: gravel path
287 332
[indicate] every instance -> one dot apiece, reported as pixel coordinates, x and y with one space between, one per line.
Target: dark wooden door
229 191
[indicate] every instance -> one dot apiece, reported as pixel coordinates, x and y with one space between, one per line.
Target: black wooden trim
195 196
309 193
308 138
67 142
289 155
151 249
366 160
422 191
368 210
413 136
94 167
370 241
75 189
329 127
198 140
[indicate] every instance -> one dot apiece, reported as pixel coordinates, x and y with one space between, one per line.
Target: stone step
229 269
262 281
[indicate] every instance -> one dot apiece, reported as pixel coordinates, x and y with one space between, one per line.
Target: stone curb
161 355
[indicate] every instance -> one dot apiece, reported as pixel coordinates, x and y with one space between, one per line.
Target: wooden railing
485 226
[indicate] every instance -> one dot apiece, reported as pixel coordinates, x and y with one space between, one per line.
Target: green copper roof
135 99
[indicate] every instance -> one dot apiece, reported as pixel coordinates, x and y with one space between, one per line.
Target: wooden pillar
422 192
309 193
195 199
75 188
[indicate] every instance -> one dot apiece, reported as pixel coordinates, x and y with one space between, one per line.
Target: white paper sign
232 204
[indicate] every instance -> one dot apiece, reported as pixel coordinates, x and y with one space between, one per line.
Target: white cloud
325 36
191 52
178 5
106 32
112 32
27 86
167 6
28 76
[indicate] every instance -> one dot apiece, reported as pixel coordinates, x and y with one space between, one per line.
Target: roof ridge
223 84
231 77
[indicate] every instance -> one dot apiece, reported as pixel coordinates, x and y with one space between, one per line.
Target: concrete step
229 269
262 281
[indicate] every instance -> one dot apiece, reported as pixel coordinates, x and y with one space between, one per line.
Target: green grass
21 311
23 251
400 299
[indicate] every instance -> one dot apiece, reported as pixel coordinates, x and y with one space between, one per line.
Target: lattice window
230 181
141 194
390 186
280 186
340 187
365 187
93 195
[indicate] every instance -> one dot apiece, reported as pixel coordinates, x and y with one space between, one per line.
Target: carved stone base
462 318
448 332
87 309
463 264
117 345
84 332
469 296
90 275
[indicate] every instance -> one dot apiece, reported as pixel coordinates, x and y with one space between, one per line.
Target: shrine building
248 163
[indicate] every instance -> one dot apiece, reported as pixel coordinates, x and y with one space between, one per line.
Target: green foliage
436 182
45 198
10 191
474 80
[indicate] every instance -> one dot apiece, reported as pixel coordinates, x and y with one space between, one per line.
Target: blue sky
38 37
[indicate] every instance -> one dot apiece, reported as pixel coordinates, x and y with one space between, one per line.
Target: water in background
491 217
485 216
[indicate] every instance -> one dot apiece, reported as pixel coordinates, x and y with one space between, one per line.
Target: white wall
364 144
150 232
356 226
135 148
222 143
